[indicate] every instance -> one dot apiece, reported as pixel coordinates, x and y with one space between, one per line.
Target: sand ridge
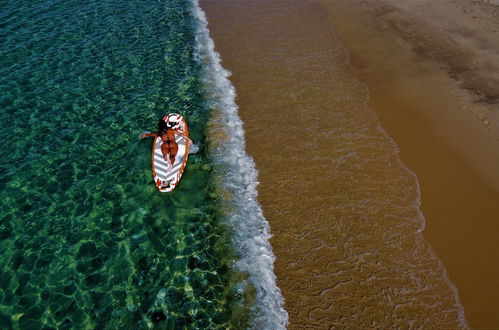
461 37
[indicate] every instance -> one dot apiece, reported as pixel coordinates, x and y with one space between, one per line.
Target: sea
86 240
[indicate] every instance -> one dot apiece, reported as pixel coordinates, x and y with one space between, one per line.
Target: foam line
251 229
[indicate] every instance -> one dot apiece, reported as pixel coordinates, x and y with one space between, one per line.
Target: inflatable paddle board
166 180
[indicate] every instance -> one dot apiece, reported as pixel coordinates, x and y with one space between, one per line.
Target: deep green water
86 240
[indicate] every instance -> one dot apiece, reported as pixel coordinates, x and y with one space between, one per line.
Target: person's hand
144 134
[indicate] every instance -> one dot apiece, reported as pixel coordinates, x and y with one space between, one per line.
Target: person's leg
173 151
165 149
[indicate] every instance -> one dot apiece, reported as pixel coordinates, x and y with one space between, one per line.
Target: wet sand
432 69
333 266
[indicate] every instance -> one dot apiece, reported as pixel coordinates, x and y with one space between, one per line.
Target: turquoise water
86 240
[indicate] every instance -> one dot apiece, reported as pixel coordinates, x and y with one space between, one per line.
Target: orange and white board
166 180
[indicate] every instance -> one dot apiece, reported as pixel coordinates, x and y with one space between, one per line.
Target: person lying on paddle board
167 131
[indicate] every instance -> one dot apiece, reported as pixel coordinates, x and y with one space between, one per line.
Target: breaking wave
251 229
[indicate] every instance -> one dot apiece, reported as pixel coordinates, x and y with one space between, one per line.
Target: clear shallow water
86 240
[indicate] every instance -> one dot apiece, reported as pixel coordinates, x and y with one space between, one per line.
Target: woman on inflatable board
167 128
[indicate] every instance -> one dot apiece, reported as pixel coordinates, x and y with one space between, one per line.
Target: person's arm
144 135
182 134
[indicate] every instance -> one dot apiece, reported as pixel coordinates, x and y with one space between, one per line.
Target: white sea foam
251 229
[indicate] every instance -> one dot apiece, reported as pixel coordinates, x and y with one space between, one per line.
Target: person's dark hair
161 126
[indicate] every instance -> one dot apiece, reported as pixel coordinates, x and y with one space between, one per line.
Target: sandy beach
346 79
433 74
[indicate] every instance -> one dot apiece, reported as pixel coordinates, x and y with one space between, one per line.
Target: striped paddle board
166 180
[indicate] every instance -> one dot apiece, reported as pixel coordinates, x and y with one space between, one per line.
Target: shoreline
252 235
331 267
428 100
291 75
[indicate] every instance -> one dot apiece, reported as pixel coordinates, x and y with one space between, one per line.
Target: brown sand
337 264
414 56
